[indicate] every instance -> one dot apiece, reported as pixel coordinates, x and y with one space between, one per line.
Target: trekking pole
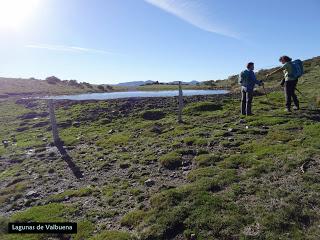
265 92
299 92
311 104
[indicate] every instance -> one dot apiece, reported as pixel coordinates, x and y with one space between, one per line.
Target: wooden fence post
53 121
180 106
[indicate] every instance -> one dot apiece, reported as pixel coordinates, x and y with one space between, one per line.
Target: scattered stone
252 230
193 236
173 175
32 193
149 182
5 143
186 168
124 149
124 165
32 115
231 130
51 170
242 121
186 163
76 124
156 129
111 131
52 154
30 151
94 179
40 135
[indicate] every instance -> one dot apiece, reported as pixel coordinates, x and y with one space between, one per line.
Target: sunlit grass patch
53 212
133 218
115 139
82 192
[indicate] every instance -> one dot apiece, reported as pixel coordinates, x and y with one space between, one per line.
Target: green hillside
19 86
217 176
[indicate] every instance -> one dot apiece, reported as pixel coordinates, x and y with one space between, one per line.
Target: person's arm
240 78
255 80
275 71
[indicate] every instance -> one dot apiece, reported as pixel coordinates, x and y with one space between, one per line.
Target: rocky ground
115 180
216 176
124 158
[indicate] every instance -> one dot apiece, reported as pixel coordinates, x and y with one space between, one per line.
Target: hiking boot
287 110
250 114
295 108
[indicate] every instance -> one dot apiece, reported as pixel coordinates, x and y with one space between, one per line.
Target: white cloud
196 12
65 48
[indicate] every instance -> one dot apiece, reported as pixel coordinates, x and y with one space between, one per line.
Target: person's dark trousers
246 102
289 89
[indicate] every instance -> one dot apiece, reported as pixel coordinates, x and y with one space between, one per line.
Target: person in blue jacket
248 80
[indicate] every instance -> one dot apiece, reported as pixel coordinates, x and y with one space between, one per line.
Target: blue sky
110 41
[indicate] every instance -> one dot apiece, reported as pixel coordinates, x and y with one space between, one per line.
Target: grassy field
216 176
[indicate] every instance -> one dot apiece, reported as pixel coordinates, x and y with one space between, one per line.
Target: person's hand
261 83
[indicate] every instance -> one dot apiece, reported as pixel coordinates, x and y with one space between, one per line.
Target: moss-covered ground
216 176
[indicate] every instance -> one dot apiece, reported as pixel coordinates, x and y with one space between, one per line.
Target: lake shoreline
135 94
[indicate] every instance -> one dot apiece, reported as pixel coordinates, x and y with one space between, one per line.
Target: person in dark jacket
248 80
289 82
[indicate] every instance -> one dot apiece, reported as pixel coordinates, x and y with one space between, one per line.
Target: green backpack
243 78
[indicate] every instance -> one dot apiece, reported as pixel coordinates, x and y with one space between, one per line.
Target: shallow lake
137 94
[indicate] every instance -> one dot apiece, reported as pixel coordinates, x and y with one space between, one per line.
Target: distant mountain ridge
134 83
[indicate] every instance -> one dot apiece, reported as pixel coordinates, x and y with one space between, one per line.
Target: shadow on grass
65 156
313 115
